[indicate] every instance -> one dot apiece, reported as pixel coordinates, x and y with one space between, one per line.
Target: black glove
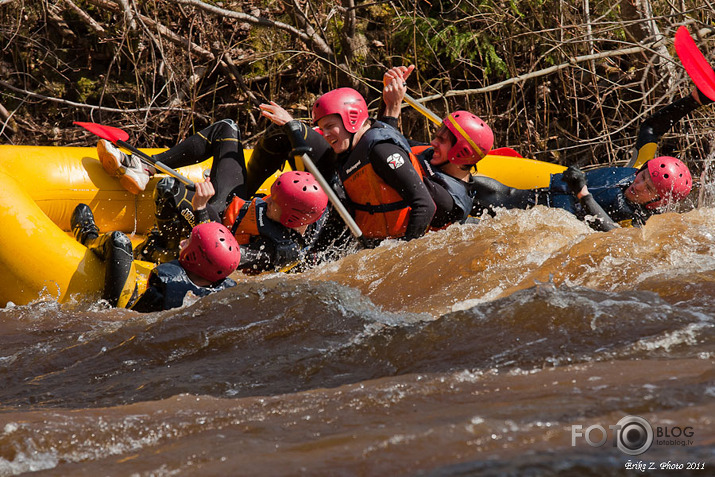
704 100
575 178
297 133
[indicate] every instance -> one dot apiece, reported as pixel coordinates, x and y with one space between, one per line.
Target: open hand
275 113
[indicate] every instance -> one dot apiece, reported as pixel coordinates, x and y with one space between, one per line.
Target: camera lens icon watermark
634 435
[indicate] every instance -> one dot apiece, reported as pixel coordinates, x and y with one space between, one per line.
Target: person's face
335 133
642 190
273 210
442 143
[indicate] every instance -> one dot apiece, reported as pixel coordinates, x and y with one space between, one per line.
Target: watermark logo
633 435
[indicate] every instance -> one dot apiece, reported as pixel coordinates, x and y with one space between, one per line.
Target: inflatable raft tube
40 186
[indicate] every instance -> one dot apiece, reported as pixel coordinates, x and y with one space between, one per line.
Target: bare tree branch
546 71
310 36
84 16
74 104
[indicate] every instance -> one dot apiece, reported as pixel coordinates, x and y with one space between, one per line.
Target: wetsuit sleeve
202 216
601 221
658 124
408 183
256 257
394 122
390 121
447 211
490 194
152 299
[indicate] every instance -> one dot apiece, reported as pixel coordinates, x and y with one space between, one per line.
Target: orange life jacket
380 211
241 218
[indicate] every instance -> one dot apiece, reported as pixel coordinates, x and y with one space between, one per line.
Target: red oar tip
695 63
105 132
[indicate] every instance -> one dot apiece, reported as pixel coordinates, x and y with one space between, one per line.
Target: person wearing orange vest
462 141
368 161
281 229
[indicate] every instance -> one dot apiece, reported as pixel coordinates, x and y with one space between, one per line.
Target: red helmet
346 102
212 252
474 138
671 178
300 197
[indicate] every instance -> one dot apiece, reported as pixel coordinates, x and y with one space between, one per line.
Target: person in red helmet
368 162
447 162
280 229
205 261
661 181
608 196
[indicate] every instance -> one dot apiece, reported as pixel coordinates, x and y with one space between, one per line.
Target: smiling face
642 190
442 143
335 133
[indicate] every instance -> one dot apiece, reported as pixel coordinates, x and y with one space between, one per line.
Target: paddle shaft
333 197
424 111
158 164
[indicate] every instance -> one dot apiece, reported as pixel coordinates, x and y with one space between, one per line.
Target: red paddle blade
695 63
105 132
504 151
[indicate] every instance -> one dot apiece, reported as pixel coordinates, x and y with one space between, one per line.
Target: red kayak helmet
346 102
211 252
300 197
474 138
671 178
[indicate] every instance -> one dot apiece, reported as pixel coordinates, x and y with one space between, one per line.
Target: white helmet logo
396 160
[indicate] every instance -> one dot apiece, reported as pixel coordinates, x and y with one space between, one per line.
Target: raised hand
275 113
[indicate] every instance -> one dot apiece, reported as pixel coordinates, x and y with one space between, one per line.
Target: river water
501 348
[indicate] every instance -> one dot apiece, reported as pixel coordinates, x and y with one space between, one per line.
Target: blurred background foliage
560 81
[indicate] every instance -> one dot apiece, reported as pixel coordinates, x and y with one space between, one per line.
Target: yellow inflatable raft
40 186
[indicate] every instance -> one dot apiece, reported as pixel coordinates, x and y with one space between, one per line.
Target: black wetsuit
222 141
605 204
115 249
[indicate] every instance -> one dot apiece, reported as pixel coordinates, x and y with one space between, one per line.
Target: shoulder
168 268
391 154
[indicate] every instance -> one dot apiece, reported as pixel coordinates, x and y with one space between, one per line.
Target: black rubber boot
83 226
